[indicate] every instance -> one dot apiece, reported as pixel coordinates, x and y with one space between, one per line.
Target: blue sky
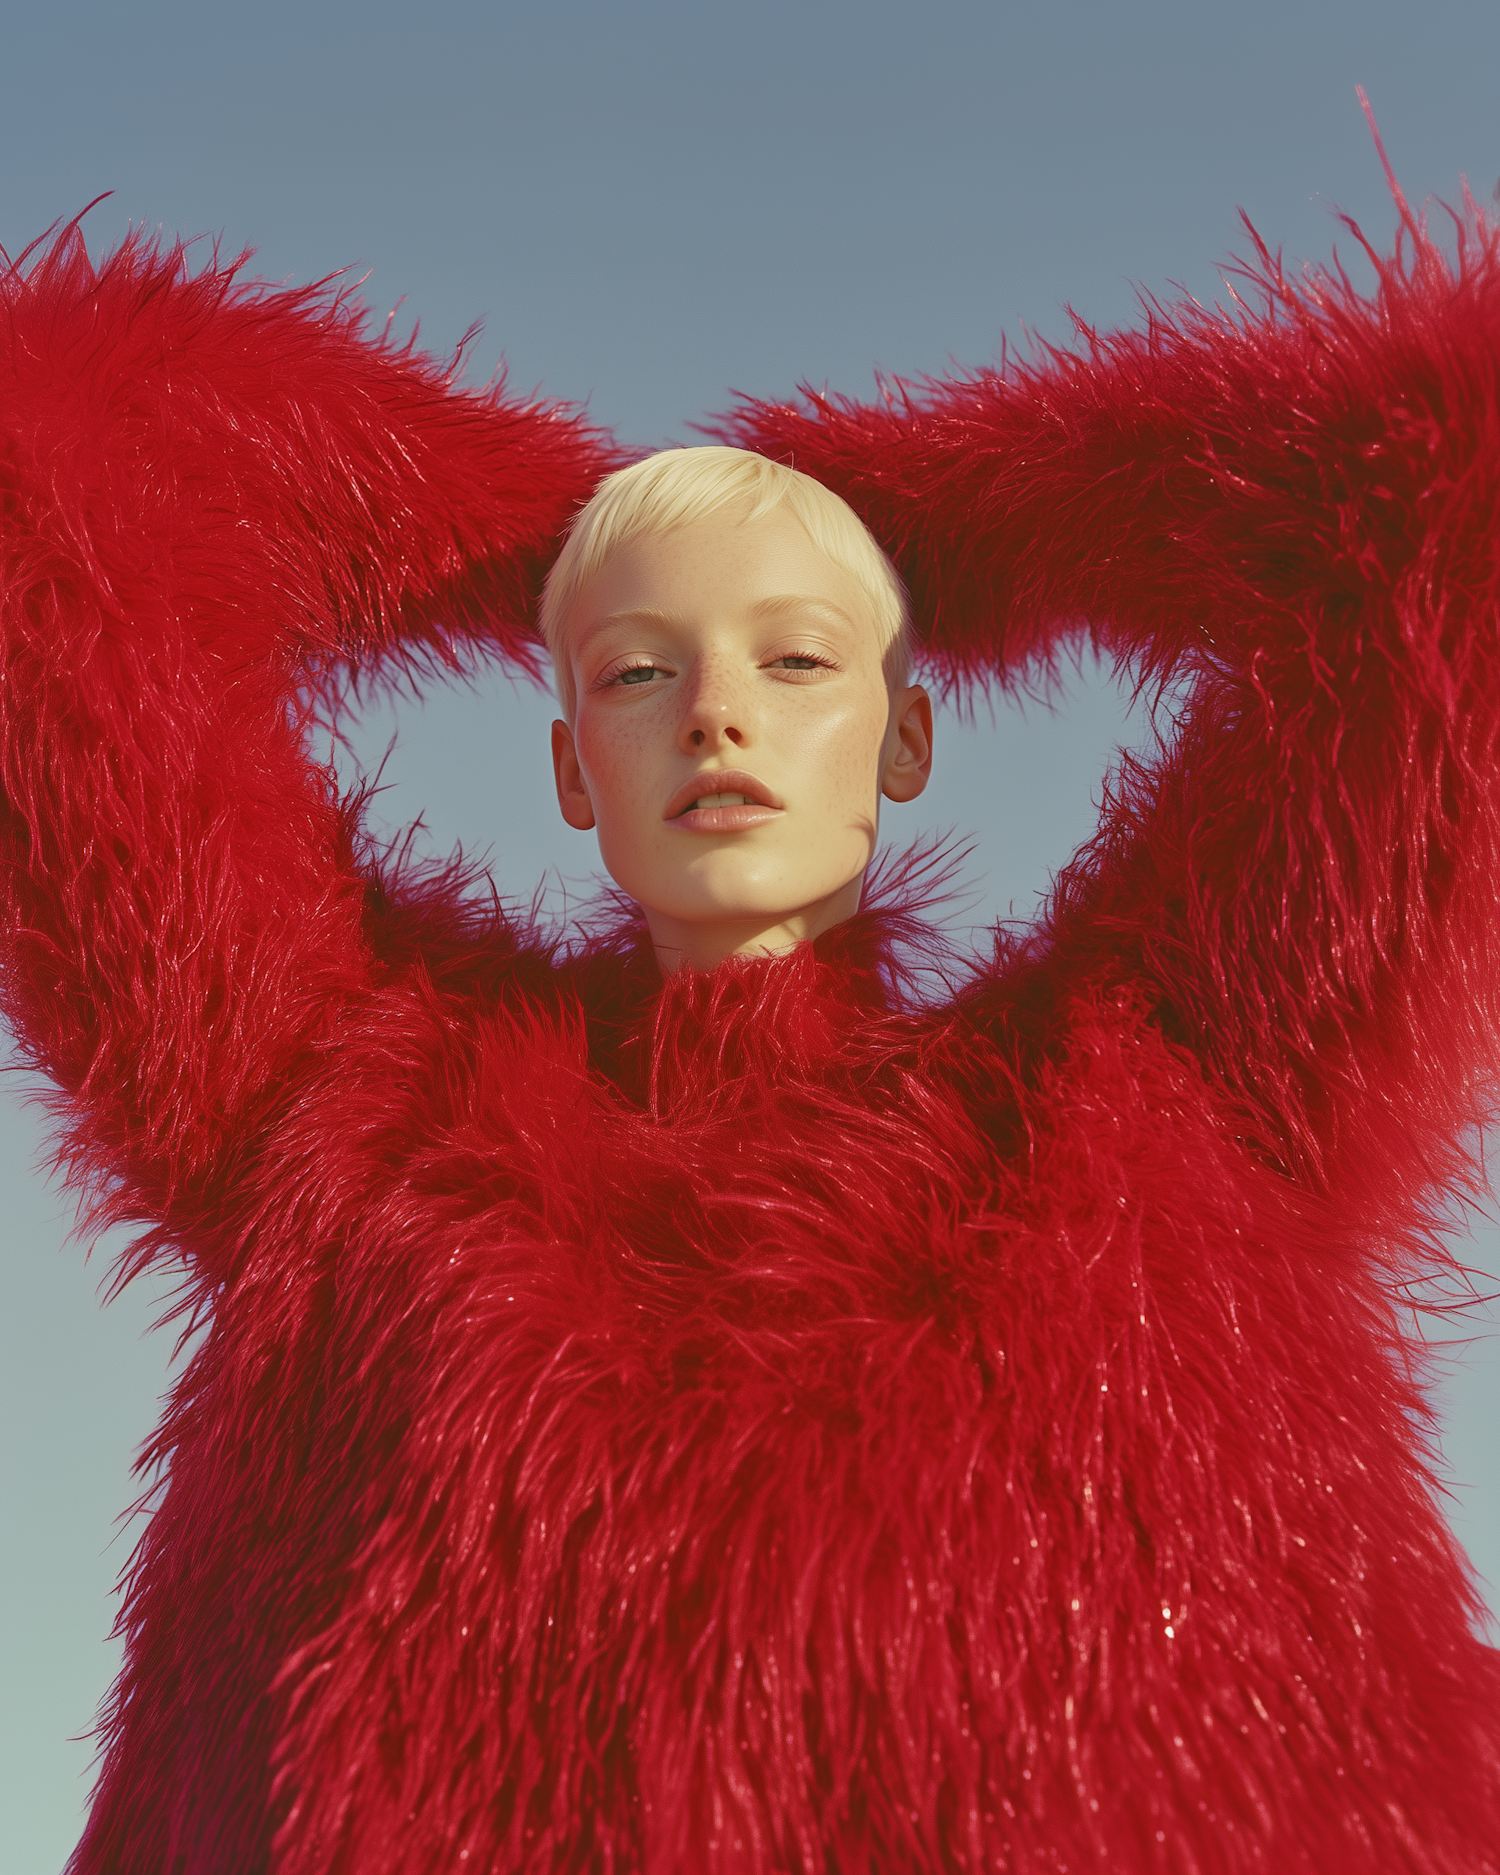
650 205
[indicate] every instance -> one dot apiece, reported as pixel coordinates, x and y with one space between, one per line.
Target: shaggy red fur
760 1423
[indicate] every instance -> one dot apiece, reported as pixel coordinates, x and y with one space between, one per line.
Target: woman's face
733 734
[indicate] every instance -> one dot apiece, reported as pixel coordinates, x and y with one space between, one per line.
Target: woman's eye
636 674
795 661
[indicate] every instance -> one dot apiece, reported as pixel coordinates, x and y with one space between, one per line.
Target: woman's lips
725 819
722 800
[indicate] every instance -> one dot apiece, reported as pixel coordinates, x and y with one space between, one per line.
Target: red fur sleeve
212 492
1290 516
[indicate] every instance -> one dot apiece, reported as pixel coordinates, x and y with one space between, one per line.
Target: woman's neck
690 944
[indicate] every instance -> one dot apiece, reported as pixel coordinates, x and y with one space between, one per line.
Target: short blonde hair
678 486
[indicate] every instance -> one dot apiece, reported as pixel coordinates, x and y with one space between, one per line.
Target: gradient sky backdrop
651 203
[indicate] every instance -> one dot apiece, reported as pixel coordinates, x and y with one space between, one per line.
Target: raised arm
212 495
1290 515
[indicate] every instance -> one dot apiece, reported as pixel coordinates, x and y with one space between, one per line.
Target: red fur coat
763 1424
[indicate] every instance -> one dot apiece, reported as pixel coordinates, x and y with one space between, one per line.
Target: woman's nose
708 734
716 713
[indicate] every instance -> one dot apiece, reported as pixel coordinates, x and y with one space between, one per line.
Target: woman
677 1406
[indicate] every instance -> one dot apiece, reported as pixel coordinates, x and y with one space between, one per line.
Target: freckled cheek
841 755
613 756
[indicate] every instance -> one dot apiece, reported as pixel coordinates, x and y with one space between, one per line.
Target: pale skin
733 735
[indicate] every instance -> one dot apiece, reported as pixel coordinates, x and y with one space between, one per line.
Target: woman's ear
908 746
572 789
